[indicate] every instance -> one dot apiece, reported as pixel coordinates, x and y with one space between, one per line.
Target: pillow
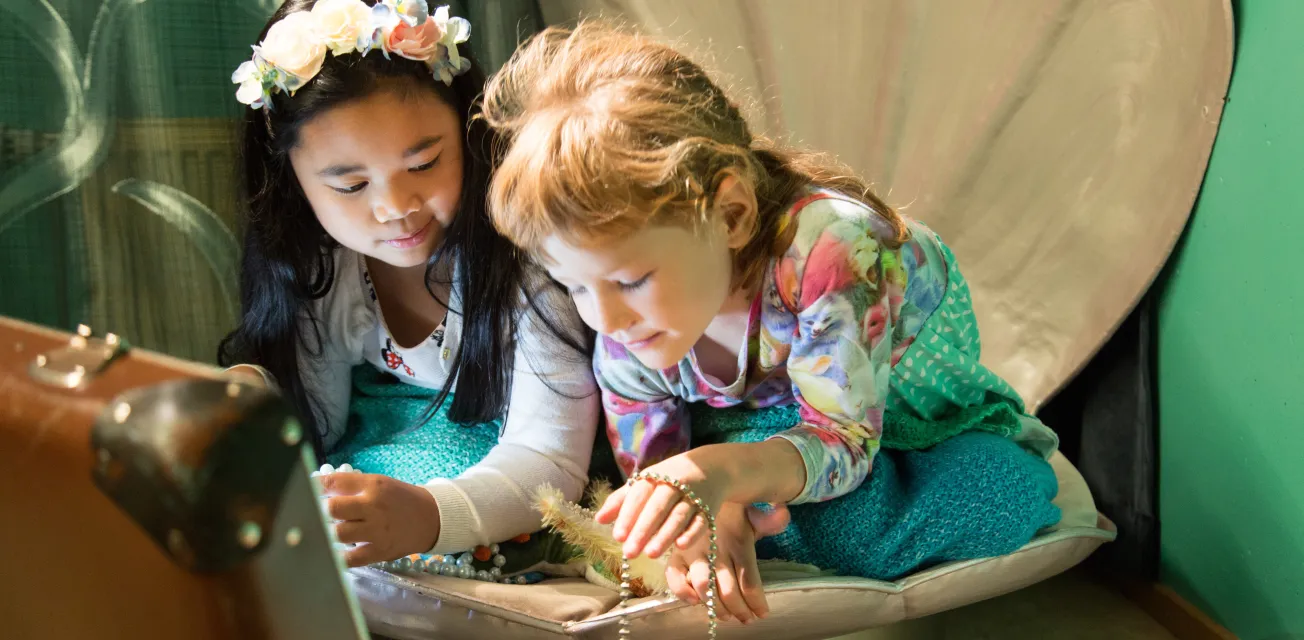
804 603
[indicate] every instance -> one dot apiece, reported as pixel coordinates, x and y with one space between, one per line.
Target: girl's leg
975 495
392 432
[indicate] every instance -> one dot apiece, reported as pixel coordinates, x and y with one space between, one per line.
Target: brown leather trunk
145 497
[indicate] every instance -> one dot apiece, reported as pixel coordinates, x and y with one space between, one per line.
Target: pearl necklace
710 553
457 566
452 565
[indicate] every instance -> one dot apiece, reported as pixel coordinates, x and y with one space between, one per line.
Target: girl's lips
640 344
407 242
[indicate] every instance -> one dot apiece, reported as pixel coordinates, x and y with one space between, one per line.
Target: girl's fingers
769 523
749 576
677 581
700 575
731 593
653 519
679 519
341 484
611 508
365 554
696 531
630 508
347 507
352 531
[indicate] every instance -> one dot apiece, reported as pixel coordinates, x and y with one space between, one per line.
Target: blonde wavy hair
608 131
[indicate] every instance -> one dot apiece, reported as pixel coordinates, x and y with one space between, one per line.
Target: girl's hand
769 523
652 516
386 518
739 591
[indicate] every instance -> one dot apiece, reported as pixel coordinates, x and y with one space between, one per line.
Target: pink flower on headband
414 43
296 46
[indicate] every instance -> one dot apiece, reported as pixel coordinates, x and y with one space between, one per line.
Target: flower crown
296 46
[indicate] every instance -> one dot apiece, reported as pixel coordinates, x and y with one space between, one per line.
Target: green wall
1231 357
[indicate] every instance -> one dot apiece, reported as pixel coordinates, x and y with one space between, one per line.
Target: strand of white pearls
454 566
327 469
711 590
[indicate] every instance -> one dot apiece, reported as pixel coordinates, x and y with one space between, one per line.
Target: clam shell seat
421 607
1057 146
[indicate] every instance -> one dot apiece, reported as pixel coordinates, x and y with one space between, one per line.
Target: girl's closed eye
637 284
427 166
350 189
355 188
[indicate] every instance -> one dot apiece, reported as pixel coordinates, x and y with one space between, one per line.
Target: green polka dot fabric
939 388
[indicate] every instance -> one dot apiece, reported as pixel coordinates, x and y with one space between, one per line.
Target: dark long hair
288 257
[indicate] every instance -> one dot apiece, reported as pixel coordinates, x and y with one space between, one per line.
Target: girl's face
384 173
657 291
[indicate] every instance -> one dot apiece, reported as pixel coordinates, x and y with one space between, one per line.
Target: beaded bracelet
710 553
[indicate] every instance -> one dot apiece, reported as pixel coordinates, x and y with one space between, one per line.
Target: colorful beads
447 564
458 566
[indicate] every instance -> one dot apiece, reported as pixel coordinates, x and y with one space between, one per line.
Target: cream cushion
420 607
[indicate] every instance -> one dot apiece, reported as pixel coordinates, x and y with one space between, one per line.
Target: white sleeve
326 369
547 438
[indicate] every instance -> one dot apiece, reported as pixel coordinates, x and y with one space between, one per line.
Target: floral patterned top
833 316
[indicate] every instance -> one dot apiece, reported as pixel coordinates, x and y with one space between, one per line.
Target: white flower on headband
296 46
341 24
293 46
413 12
455 31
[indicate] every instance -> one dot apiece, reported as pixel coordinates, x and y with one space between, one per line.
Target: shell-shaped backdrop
1057 146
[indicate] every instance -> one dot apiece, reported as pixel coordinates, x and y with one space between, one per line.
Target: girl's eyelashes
361 185
427 166
350 189
637 284
624 286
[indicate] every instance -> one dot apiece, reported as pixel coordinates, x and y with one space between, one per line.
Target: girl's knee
989 460
1004 490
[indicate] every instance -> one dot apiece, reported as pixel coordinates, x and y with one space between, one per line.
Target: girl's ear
735 200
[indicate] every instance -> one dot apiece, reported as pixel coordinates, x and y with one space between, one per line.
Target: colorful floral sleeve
842 289
646 423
